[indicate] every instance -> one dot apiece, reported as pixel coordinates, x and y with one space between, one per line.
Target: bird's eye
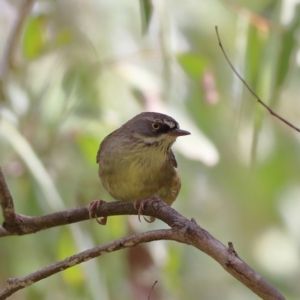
155 126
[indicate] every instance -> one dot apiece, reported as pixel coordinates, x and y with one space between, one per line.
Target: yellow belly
140 178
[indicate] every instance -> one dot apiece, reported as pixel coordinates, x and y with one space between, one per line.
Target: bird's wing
102 145
173 159
98 156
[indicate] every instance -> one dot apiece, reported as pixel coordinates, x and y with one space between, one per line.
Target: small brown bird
136 161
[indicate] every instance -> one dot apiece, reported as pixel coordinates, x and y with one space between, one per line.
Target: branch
182 230
6 202
15 284
149 297
250 89
27 224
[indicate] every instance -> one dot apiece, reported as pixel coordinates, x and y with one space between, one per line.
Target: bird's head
155 129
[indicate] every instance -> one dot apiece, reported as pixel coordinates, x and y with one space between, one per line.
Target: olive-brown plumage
136 161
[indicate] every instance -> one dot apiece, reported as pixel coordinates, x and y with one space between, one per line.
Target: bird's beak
178 132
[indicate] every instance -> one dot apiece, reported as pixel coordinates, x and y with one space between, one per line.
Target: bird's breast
131 175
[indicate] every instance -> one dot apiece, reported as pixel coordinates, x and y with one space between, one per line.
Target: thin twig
251 90
149 297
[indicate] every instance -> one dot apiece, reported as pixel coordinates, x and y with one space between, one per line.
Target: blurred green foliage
82 68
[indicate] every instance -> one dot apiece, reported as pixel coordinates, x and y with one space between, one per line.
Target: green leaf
80 79
88 146
63 37
289 46
34 41
256 45
146 9
193 64
65 247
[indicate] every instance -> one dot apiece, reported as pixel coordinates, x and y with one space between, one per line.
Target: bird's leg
141 203
93 207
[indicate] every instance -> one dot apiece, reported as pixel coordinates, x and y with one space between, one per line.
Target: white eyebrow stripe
169 123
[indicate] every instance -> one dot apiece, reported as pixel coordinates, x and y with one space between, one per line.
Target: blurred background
73 71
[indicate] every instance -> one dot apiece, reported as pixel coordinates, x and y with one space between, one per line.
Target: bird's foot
141 203
93 207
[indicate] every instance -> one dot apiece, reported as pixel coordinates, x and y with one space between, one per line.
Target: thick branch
26 224
6 202
186 231
182 230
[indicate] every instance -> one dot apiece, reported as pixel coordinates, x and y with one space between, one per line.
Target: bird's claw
151 220
141 203
93 207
